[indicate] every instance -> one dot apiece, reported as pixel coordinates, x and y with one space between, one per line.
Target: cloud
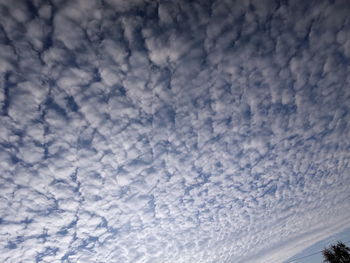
142 131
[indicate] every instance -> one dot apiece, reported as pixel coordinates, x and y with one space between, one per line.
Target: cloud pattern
172 131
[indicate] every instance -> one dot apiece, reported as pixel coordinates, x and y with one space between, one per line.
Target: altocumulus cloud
172 131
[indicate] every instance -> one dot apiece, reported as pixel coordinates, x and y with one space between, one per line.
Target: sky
313 253
172 131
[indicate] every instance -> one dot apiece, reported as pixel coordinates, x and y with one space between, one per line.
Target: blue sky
172 131
312 254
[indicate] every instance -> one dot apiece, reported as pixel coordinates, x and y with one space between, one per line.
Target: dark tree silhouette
338 253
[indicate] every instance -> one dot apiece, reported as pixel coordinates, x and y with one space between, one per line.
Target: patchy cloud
178 131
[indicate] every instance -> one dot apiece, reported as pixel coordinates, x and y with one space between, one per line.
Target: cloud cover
172 131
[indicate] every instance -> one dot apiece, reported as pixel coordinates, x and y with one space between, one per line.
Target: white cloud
160 132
